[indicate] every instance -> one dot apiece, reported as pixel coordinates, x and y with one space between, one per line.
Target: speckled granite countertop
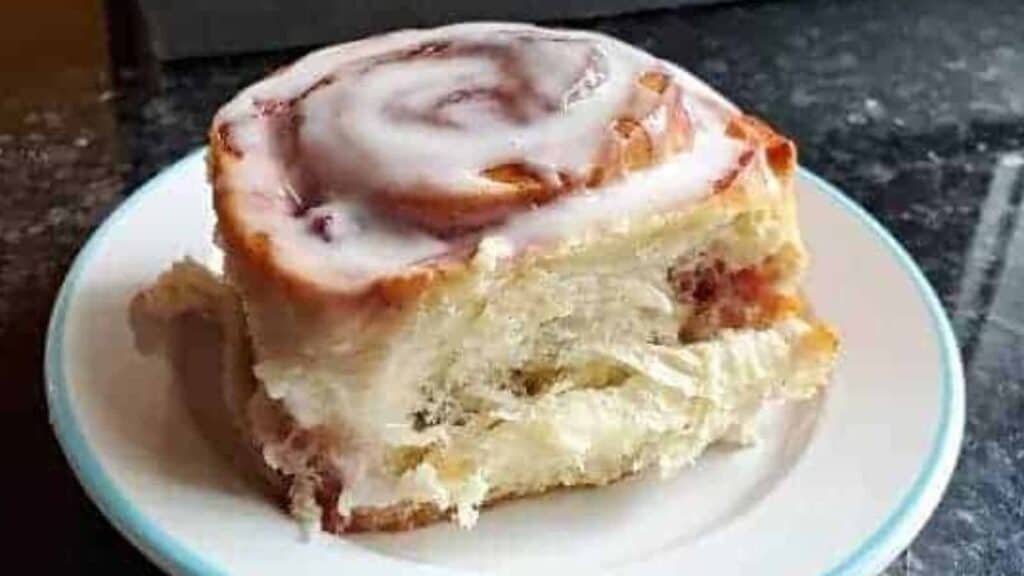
915 108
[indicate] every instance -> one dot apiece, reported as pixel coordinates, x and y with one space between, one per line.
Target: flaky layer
661 411
655 406
370 393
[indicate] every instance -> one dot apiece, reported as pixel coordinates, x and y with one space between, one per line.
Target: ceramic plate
838 486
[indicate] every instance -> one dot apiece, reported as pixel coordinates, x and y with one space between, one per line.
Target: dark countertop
915 108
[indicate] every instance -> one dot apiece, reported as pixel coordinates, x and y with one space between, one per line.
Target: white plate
839 486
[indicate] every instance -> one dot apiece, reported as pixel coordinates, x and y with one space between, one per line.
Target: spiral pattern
371 168
458 127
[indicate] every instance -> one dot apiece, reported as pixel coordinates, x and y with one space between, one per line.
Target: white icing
349 133
369 246
381 151
647 192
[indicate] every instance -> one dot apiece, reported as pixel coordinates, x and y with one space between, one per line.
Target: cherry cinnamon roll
488 260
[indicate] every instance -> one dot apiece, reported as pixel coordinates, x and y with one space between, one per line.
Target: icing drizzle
363 159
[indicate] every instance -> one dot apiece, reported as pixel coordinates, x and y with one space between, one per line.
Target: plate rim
895 532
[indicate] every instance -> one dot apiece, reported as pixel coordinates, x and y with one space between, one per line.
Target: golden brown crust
255 250
779 150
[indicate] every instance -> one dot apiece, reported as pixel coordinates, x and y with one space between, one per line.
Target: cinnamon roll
488 260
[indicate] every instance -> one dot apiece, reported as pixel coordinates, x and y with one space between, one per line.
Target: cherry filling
720 297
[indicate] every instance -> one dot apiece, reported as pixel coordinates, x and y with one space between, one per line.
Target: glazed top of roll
382 162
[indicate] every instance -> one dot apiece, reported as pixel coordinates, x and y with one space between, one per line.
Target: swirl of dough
458 127
384 161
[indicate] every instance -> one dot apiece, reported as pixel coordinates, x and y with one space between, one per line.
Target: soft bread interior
564 369
663 407
656 406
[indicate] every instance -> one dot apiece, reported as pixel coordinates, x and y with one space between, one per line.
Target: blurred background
915 108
